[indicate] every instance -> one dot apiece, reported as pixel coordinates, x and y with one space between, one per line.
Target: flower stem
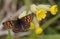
45 25
9 36
35 21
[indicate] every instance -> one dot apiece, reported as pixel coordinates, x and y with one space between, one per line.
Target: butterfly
19 25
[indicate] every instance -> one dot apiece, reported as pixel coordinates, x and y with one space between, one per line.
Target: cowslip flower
53 9
44 6
38 30
41 14
31 25
33 8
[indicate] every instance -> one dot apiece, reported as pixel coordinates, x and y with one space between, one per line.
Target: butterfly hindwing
9 24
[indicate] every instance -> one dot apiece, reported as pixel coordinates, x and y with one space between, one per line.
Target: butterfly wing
23 24
9 24
17 26
17 29
13 24
26 21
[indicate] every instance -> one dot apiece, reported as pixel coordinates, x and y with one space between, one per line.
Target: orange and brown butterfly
19 25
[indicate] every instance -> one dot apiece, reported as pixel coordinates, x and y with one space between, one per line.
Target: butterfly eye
4 24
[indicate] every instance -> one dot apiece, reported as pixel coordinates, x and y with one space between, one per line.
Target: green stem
35 21
32 35
45 25
9 36
27 4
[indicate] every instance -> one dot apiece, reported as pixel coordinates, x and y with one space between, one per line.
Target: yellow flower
31 25
54 9
41 14
38 30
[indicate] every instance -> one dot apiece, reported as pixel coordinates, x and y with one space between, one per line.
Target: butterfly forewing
26 21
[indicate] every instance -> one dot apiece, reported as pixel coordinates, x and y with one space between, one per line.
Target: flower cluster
41 10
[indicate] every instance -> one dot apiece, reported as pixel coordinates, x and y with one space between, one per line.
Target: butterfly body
19 25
